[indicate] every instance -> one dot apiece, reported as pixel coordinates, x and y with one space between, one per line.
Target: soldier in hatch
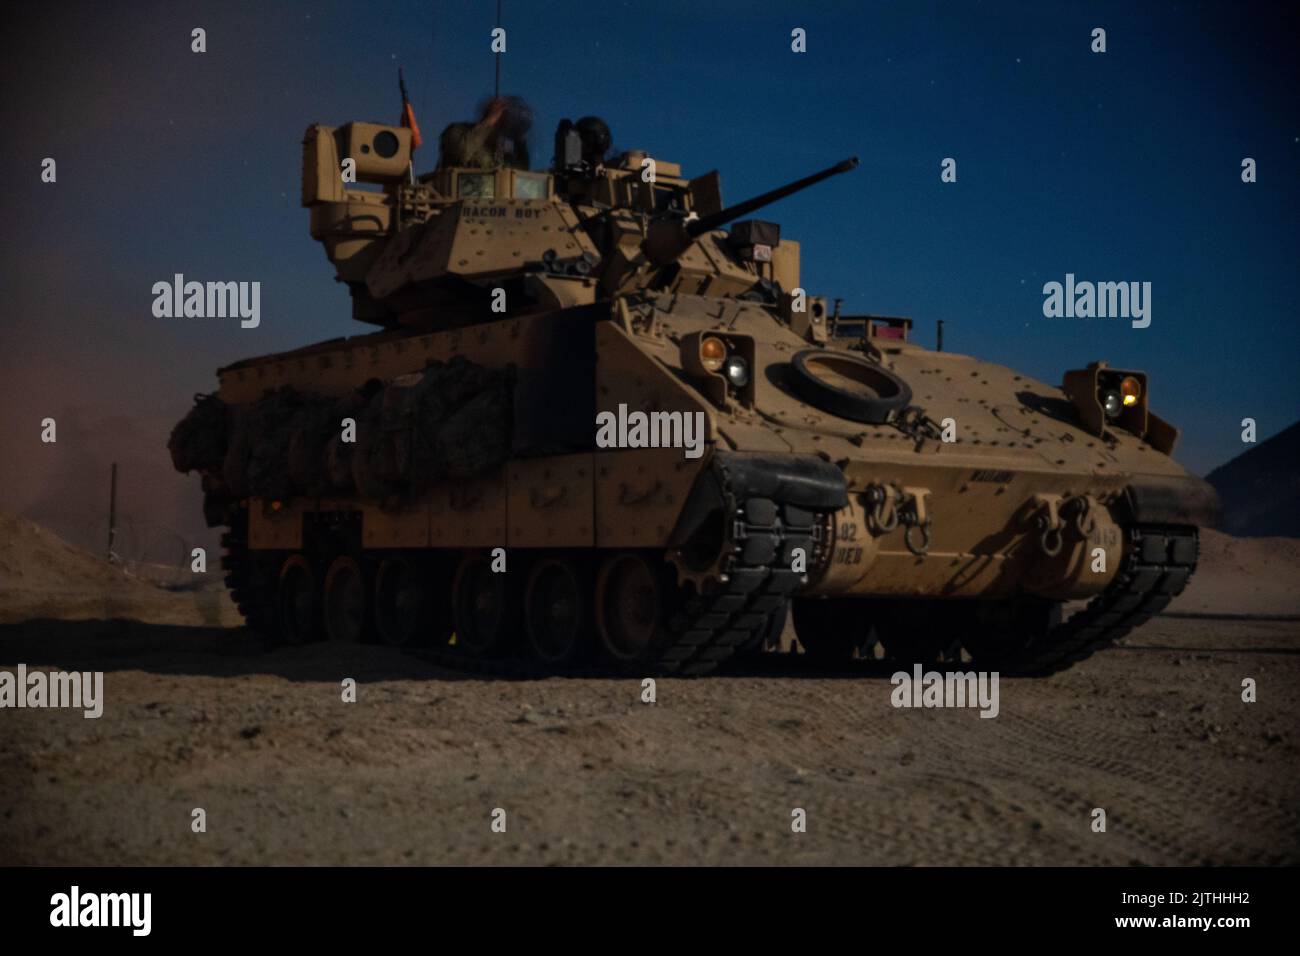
596 140
499 138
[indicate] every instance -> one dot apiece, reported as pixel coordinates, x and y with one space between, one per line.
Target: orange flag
408 119
408 113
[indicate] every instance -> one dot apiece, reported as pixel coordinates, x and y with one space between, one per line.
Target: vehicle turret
434 249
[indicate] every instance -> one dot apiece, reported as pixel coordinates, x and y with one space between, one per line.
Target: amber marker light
713 352
1130 390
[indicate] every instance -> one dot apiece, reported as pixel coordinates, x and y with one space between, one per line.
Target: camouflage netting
311 469
198 442
476 438
452 421
257 461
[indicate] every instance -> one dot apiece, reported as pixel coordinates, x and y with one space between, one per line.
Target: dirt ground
1153 731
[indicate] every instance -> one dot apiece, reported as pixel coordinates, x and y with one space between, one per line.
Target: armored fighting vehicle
442 480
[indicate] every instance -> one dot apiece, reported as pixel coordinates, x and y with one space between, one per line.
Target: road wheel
482 607
557 605
343 601
298 601
631 599
401 606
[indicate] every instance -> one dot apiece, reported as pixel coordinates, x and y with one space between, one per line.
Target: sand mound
34 558
42 576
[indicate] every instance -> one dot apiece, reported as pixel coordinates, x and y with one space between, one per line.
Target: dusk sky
1122 166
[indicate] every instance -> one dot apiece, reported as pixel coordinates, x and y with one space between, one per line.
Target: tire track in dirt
588 773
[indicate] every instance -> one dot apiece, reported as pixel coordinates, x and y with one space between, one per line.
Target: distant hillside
1260 488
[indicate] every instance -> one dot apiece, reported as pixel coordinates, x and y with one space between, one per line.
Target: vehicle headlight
737 371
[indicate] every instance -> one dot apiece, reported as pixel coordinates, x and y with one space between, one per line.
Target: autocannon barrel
698 227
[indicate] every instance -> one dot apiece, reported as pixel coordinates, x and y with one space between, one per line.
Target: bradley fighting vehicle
439 481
